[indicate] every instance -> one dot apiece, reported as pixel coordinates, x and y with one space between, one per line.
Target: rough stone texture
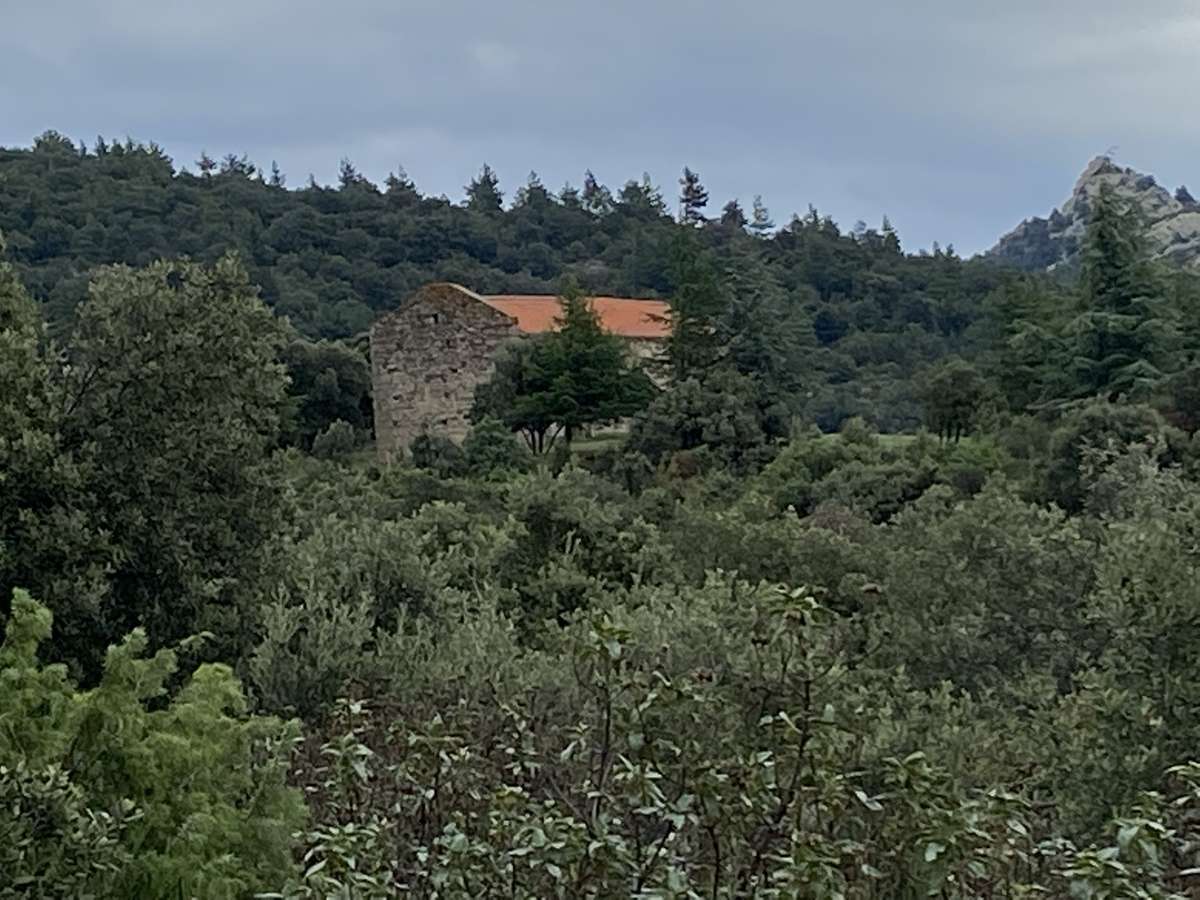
1172 225
427 358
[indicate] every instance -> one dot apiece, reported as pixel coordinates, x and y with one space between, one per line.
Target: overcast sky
956 118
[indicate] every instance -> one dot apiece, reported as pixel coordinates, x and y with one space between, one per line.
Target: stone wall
426 360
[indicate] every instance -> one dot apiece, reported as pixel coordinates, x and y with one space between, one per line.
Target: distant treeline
331 258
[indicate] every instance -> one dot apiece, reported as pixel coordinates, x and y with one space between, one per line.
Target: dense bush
135 789
336 441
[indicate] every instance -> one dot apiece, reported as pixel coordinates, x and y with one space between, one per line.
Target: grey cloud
955 119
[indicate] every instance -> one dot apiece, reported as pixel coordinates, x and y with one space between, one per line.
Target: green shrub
437 454
491 449
337 440
135 790
1101 426
52 844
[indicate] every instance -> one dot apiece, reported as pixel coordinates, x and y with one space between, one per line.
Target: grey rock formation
1172 221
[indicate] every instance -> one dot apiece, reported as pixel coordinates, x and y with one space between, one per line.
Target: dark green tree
733 216
1179 399
760 218
50 534
483 193
693 197
164 412
556 383
891 240
1125 335
533 193
328 382
596 198
1101 427
641 200
399 188
768 337
953 394
490 450
348 174
237 166
718 416
697 302
569 196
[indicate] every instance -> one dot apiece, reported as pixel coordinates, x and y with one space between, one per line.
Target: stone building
428 356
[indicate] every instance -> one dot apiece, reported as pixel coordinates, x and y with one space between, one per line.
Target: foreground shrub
131 789
709 744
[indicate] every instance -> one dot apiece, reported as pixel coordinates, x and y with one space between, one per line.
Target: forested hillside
889 590
331 258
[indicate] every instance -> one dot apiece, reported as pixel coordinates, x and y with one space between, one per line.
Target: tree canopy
564 380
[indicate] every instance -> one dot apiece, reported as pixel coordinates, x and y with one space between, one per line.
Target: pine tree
400 188
597 199
240 166
533 193
760 219
891 240
483 193
348 175
569 196
278 179
206 164
642 198
1125 334
553 384
692 198
696 304
766 337
732 215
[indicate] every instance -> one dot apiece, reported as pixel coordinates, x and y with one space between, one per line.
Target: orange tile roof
536 313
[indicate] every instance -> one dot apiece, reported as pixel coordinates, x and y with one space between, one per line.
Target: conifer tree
1125 334
891 240
693 197
533 193
348 175
596 198
697 302
569 197
643 198
400 189
760 219
732 215
553 384
483 193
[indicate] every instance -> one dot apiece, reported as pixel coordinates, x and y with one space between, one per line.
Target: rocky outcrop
1172 221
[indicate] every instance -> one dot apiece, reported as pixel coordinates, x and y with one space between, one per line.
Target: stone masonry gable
427 358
